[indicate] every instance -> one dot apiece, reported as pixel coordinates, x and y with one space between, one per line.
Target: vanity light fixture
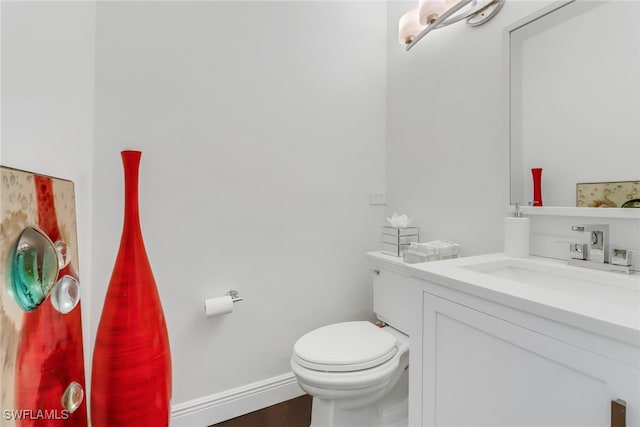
434 14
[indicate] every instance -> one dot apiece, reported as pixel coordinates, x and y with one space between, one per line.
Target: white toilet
357 372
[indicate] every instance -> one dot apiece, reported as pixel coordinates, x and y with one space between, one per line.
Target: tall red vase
49 357
536 174
131 371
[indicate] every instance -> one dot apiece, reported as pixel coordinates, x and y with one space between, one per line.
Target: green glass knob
34 268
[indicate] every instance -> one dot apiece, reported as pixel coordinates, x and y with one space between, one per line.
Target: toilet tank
392 290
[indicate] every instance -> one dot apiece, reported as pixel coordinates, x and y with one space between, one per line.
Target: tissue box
396 240
431 251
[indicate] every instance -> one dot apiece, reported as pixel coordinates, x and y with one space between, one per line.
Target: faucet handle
578 250
621 256
590 227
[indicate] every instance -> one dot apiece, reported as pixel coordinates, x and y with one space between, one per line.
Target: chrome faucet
598 242
596 254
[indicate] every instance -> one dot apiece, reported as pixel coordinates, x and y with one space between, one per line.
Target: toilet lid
349 346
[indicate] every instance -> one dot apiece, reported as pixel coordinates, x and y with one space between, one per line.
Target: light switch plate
377 198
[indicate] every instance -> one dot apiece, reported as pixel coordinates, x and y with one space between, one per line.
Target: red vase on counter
536 173
131 371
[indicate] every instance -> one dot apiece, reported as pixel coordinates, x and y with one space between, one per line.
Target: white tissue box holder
431 251
395 241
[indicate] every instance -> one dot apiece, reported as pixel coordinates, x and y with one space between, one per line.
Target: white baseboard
215 408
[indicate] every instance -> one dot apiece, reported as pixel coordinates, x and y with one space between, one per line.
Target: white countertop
602 302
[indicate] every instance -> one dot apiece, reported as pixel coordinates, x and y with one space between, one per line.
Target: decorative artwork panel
620 194
42 379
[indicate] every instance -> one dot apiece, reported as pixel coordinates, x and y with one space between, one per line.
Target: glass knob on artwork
34 268
72 397
65 294
62 250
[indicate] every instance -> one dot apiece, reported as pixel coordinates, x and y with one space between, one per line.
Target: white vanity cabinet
475 362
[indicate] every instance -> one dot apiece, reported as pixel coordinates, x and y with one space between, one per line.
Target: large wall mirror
574 97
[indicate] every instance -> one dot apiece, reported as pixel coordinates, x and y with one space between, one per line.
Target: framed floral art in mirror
42 378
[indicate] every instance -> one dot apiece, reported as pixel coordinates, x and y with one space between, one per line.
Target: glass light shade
430 10
409 27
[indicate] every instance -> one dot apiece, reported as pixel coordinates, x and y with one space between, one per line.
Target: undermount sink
552 274
548 287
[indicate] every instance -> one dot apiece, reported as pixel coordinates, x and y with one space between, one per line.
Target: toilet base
391 410
327 413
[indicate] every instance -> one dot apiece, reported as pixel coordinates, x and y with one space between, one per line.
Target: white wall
263 130
47 106
589 64
447 152
447 146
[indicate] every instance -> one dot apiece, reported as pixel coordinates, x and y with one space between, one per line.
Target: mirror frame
544 210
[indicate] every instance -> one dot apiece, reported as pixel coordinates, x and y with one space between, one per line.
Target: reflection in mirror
574 98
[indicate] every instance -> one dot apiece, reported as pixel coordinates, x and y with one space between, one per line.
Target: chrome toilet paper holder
235 297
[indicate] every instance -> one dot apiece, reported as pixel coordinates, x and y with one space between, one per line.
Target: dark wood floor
292 413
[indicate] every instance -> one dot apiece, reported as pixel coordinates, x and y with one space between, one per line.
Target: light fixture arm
452 16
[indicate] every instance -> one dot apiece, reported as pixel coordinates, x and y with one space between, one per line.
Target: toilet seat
345 347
